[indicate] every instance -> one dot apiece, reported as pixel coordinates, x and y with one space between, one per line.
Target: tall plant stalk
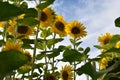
35 42
74 61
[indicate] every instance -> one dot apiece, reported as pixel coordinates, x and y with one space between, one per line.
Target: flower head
47 17
10 45
2 24
118 44
104 39
66 73
22 30
27 53
76 29
58 26
51 77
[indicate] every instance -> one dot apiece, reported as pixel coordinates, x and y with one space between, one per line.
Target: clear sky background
97 15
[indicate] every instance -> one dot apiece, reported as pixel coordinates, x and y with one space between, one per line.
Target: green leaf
117 22
45 4
87 69
24 5
31 12
51 42
28 41
55 53
27 46
28 21
8 11
45 33
41 45
72 55
116 50
11 60
40 56
86 50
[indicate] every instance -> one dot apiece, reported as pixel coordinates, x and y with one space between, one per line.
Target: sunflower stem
5 31
35 42
53 49
74 61
46 67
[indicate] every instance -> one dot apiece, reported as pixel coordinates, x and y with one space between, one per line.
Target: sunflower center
106 41
51 78
65 75
43 16
22 29
75 30
59 25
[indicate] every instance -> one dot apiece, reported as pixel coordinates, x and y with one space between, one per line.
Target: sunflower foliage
33 48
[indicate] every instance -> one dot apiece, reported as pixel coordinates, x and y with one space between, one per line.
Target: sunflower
118 44
76 29
107 62
25 67
66 73
27 53
58 26
104 39
51 77
22 30
103 62
2 24
10 45
47 17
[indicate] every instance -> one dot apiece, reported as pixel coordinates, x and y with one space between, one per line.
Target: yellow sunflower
27 53
10 45
58 26
76 29
103 62
104 39
66 73
25 67
2 24
22 30
108 60
51 77
118 44
47 17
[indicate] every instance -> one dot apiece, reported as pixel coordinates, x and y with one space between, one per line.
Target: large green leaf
8 11
51 42
117 22
11 60
72 55
87 69
28 21
31 12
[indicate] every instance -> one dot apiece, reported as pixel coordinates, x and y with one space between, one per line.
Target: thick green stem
53 57
46 67
74 61
35 44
